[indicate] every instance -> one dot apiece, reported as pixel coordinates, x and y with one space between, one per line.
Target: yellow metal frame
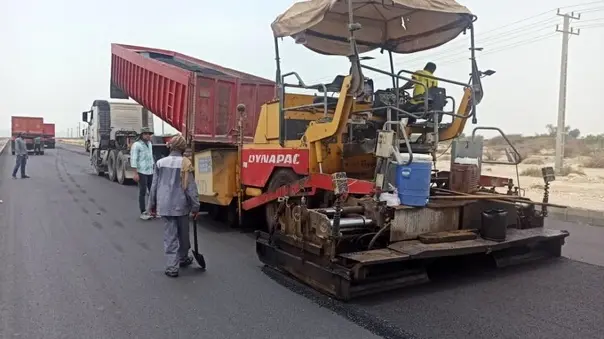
323 140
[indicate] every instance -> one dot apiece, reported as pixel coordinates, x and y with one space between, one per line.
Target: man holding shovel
173 196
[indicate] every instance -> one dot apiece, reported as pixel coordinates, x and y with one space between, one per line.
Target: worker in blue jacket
21 157
173 196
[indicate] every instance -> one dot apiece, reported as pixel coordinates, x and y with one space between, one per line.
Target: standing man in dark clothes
21 157
37 145
173 196
141 159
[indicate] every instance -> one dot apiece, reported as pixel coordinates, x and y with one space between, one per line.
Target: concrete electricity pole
566 31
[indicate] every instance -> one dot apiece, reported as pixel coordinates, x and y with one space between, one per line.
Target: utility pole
566 31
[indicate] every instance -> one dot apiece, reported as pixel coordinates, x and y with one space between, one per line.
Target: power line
583 4
591 20
541 14
506 33
498 50
505 36
590 26
494 51
482 39
480 36
597 9
454 48
494 43
506 47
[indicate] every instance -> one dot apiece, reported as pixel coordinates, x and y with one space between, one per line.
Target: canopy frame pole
280 94
476 83
392 69
356 71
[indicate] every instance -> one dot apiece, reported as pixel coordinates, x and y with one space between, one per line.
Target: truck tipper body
197 98
49 135
30 128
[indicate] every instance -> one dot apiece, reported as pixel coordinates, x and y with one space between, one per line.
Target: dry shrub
499 140
536 171
531 172
567 170
489 156
596 160
533 161
527 150
576 148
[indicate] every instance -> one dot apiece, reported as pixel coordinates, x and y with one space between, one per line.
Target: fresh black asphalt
77 263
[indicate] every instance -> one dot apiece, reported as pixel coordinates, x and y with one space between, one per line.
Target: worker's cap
146 130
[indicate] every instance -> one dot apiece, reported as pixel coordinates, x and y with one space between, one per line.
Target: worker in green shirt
37 145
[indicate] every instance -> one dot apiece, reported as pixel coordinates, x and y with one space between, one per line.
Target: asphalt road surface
76 262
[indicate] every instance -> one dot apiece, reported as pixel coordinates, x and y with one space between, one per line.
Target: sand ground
585 190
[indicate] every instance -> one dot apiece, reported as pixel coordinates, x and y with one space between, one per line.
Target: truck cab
112 128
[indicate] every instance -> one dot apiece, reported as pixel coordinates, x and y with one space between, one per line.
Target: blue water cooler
413 180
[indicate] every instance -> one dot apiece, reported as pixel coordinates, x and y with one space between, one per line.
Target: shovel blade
201 261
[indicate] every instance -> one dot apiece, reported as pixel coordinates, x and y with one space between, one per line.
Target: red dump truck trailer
197 98
49 135
30 128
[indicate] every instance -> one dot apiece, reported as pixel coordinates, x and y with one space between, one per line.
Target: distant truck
30 128
113 127
49 135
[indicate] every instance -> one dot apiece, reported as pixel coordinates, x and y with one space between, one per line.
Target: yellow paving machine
347 177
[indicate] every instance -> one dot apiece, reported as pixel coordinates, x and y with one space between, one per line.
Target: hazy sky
56 54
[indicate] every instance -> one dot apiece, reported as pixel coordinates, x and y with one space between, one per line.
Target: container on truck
30 128
195 97
49 135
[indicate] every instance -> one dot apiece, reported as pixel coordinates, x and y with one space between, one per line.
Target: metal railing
517 157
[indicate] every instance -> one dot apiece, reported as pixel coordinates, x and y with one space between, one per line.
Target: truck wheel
95 162
231 215
87 146
111 169
120 168
214 212
280 178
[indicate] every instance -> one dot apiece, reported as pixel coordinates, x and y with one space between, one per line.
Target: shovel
201 261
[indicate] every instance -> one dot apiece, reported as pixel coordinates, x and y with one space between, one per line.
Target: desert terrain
581 183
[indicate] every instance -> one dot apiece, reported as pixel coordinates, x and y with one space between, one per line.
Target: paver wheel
280 178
